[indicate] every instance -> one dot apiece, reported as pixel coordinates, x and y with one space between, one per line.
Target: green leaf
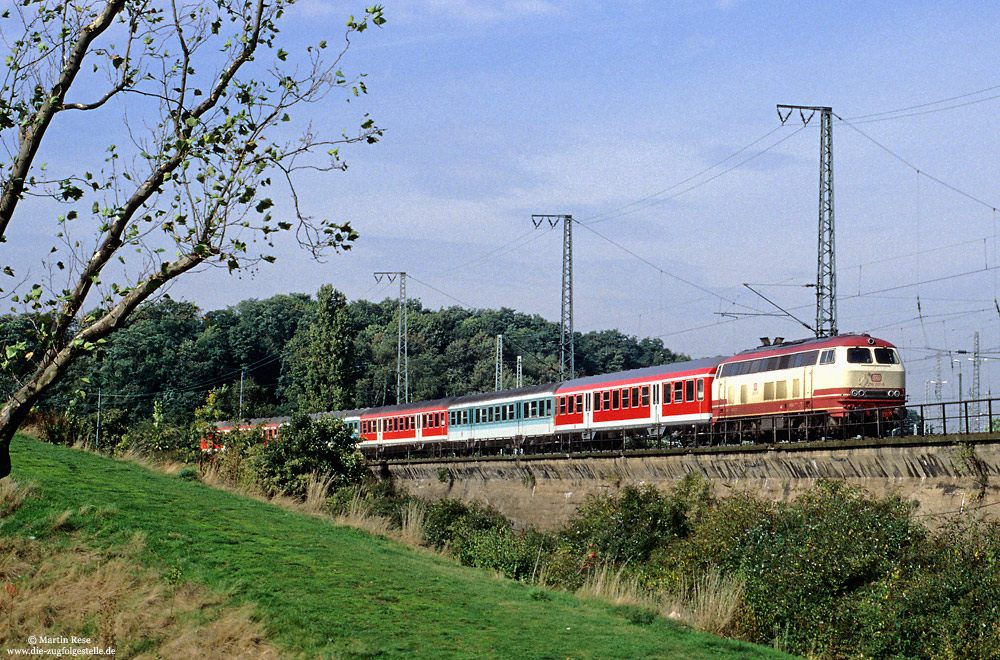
282 55
191 121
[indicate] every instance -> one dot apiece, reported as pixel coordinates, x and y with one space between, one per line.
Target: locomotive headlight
854 392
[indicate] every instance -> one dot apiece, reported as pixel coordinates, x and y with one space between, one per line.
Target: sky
654 125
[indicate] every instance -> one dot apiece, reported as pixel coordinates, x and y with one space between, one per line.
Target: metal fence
918 419
953 417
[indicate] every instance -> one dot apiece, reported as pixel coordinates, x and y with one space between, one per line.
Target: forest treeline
299 353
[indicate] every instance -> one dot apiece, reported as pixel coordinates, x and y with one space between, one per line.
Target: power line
598 217
915 168
514 243
652 201
660 270
923 112
924 105
508 339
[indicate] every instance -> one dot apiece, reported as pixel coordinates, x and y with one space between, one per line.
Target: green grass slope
329 591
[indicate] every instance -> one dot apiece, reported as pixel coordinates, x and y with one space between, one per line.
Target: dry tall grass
317 490
411 532
613 587
358 515
66 592
12 495
708 602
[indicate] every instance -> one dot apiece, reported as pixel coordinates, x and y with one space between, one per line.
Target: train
779 391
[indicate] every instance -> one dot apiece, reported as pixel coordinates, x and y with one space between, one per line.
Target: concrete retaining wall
943 476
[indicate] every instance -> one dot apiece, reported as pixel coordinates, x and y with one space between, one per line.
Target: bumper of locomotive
887 403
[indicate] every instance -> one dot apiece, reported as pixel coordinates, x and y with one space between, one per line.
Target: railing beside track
941 418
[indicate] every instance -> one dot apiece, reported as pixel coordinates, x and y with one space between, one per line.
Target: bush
803 558
629 527
381 498
500 549
716 540
940 602
152 438
59 428
449 521
306 447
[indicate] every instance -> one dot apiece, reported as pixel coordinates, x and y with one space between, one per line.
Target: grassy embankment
318 590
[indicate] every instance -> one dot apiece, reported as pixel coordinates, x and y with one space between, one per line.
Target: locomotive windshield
862 355
886 356
859 355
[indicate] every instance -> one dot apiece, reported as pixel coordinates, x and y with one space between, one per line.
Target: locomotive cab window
859 355
829 356
886 356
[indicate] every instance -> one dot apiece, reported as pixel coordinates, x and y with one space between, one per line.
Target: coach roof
646 372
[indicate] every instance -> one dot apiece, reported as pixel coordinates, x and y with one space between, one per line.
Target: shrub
801 559
940 602
381 498
59 428
152 438
306 447
629 527
499 549
451 521
716 540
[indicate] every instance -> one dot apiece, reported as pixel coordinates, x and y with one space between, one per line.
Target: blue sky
494 110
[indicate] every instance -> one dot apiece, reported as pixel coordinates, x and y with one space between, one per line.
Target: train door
807 388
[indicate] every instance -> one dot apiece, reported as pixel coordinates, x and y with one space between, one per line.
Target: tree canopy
300 354
209 98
